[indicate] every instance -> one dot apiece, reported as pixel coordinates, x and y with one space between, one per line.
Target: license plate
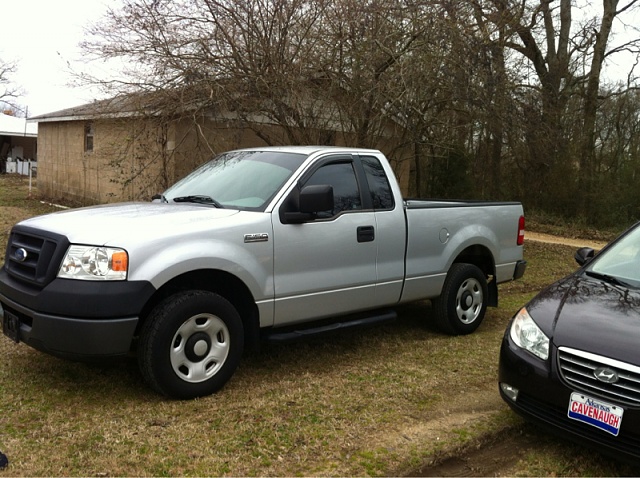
11 326
595 412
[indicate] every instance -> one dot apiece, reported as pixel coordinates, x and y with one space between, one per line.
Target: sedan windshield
621 262
239 180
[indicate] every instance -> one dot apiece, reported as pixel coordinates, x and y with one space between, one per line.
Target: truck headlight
527 335
94 263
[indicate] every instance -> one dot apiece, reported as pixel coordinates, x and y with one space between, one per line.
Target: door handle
366 233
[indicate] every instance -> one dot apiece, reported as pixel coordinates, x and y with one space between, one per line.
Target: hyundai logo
20 255
606 375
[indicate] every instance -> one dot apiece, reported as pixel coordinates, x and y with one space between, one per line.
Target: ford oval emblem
606 375
20 255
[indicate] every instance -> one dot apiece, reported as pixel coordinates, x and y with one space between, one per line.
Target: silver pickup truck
258 244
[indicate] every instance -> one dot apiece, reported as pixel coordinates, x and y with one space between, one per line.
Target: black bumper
73 318
544 399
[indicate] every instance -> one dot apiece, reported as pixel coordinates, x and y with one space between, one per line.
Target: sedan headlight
527 335
94 263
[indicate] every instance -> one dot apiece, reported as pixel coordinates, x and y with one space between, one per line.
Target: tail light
521 231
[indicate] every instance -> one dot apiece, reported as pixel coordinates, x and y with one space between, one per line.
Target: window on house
88 136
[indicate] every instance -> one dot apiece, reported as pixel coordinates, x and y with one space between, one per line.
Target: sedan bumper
543 397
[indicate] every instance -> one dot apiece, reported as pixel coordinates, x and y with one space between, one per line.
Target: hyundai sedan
570 359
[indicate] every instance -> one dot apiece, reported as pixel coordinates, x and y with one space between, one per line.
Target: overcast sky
42 36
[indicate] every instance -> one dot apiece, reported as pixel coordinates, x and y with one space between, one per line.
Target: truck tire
190 344
463 301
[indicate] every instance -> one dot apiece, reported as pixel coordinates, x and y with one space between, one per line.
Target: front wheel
463 301
191 344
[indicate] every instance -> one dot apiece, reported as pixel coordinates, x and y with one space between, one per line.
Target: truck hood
588 314
112 224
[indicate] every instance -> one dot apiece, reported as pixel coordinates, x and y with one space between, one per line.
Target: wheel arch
481 257
220 282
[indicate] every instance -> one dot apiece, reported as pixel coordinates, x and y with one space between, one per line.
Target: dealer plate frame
595 412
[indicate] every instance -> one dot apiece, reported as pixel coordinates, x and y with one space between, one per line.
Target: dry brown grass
375 402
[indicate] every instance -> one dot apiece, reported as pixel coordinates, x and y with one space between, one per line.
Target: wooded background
525 100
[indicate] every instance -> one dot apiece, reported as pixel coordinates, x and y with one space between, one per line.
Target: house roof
121 106
12 126
117 107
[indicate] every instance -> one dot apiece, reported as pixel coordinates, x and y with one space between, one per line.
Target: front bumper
75 319
544 398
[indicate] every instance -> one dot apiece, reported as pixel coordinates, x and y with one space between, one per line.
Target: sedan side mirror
584 255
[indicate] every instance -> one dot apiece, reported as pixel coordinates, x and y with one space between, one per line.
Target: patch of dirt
548 238
496 457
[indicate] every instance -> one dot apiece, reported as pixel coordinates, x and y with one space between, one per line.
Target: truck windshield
239 179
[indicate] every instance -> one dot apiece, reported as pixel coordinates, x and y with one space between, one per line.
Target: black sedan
570 359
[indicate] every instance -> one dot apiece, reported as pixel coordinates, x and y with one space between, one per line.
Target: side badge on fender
258 237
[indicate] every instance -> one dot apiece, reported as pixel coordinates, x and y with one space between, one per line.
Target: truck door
326 265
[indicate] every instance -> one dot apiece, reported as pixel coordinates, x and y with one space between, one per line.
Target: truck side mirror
310 201
584 255
316 198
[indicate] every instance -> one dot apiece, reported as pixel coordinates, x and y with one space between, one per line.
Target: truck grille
34 256
578 369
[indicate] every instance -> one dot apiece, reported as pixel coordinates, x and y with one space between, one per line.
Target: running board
349 322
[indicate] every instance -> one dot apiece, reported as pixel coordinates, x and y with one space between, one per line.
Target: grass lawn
380 401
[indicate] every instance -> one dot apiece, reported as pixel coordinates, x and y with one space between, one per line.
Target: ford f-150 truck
257 244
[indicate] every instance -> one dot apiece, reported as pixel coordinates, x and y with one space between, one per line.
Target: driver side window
342 178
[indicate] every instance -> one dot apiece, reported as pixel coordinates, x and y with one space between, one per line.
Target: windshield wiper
607 278
199 200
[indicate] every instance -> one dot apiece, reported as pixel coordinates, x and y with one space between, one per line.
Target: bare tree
600 39
9 92
252 58
566 57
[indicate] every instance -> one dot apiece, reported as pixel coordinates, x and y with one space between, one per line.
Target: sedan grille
621 380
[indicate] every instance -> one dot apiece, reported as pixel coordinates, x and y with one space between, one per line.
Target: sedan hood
591 315
111 223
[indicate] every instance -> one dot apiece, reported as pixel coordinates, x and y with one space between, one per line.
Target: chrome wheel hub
469 301
199 348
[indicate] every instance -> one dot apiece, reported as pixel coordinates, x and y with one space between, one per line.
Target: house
130 147
18 143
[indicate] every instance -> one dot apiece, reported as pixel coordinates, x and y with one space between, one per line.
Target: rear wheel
191 344
462 303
